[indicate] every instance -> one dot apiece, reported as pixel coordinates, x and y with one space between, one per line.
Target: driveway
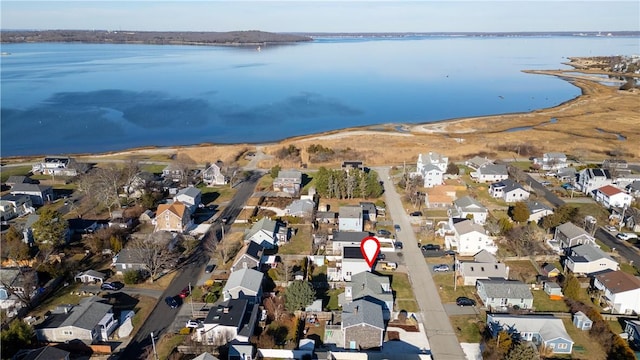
453 309
441 337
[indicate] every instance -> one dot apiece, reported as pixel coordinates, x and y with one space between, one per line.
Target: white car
192 324
611 228
626 236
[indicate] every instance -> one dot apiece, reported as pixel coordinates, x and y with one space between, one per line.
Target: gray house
288 181
39 194
244 284
568 235
632 328
546 332
350 218
503 294
467 207
250 257
128 259
301 208
362 325
190 196
366 285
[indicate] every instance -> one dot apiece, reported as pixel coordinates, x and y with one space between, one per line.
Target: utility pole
190 293
455 283
153 343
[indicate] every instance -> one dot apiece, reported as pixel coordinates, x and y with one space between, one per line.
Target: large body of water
76 98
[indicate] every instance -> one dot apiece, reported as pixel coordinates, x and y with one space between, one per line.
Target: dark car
430 247
185 292
449 253
465 301
383 232
398 245
416 213
397 227
108 286
209 268
171 301
381 256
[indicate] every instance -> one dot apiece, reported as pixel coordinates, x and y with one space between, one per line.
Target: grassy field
264 184
300 243
167 343
587 348
522 270
542 302
7 171
61 296
468 328
153 168
401 286
444 281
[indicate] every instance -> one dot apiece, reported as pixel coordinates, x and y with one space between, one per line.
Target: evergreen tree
522 351
18 335
571 287
520 212
275 171
298 295
50 230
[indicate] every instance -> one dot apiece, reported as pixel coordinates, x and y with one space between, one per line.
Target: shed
553 290
581 321
91 276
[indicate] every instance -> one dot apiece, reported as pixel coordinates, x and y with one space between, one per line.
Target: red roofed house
174 217
621 291
610 196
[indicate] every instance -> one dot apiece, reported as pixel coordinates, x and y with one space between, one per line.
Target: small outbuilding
91 276
581 321
553 290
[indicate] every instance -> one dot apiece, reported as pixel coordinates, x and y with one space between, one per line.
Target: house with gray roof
431 167
190 196
288 181
90 321
268 233
490 173
369 211
91 276
373 287
340 239
27 230
538 210
350 218
230 320
129 259
469 238
213 175
43 353
568 235
545 332
477 162
301 208
484 267
633 189
249 257
590 179
13 282
552 161
508 191
467 207
362 325
503 294
39 194
244 284
20 179
587 259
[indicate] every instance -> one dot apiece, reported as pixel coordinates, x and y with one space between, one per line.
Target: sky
323 16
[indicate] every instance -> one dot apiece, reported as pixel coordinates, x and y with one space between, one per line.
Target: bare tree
228 249
185 164
22 286
275 307
157 252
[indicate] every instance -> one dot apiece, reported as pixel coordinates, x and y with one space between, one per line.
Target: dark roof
46 353
600 172
352 252
326 215
14 197
249 320
368 207
232 316
254 250
81 224
349 236
129 256
19 179
618 281
23 187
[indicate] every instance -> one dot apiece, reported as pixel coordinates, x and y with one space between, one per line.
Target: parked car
416 213
209 268
171 301
441 268
389 266
111 286
611 228
193 324
398 245
184 293
545 183
626 236
383 232
381 256
465 301
449 253
430 247
397 227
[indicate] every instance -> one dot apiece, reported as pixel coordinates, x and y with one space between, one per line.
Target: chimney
355 310
225 310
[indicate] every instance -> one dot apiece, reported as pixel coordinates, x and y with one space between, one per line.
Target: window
562 346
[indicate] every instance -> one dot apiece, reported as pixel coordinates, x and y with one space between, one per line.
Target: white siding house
621 291
587 259
610 196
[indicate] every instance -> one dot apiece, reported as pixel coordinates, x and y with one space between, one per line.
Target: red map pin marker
370 248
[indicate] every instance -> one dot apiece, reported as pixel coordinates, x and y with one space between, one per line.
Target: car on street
209 268
184 293
441 268
397 227
398 245
611 228
171 301
192 324
383 232
465 301
626 236
416 213
111 286
430 247
545 183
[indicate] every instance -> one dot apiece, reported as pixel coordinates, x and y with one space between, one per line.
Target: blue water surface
77 98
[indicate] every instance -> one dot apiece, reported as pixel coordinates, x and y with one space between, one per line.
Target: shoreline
461 128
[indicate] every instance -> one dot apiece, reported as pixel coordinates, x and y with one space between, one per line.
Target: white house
569 235
350 218
57 166
545 332
484 266
190 197
301 208
12 206
621 291
244 284
590 179
231 320
89 321
18 281
212 175
268 233
610 196
587 259
502 294
508 190
431 167
552 161
352 262
490 173
39 194
469 208
469 238
476 162
340 239
538 210
288 181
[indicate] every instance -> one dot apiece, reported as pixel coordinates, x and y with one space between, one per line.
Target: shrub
132 277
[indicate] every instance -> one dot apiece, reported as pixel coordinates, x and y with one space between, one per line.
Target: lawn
143 309
218 194
265 182
444 281
300 243
402 290
167 343
468 328
630 269
587 348
522 270
332 303
14 170
542 302
153 168
61 296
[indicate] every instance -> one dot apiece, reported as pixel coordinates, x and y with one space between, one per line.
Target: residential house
508 190
13 206
57 166
545 332
633 189
250 257
341 239
230 320
39 194
623 178
354 164
174 217
631 218
566 174
174 172
477 162
372 287
502 294
490 173
469 238
610 196
469 208
552 161
244 284
288 181
19 179
352 262
43 353
243 351
350 218
538 210
632 328
590 179
79 226
326 217
138 185
268 233
553 290
14 282
582 321
90 321
212 176
550 271
129 259
91 276
614 164
569 235
484 266
302 208
206 356
620 290
369 211
362 325
147 216
432 167
587 259
189 196
27 230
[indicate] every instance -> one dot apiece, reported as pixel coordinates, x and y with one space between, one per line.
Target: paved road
442 339
622 248
161 318
552 198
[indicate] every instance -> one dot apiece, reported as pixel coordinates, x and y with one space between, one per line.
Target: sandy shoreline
588 124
